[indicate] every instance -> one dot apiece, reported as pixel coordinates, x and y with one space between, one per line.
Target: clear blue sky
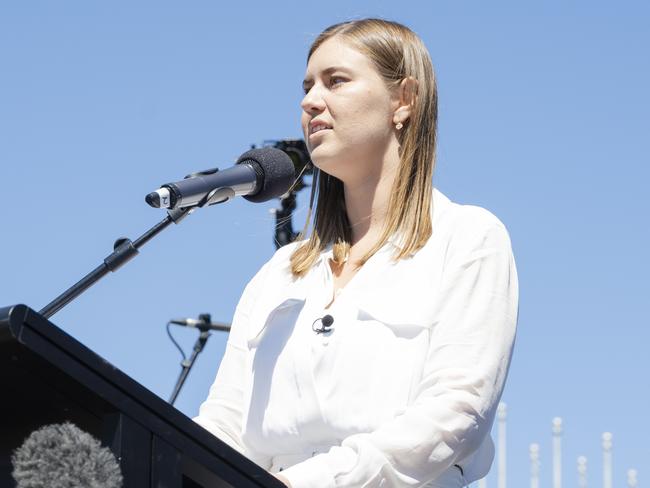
543 121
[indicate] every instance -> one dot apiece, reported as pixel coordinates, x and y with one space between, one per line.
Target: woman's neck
366 203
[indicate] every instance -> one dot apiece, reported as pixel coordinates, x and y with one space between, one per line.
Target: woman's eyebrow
326 71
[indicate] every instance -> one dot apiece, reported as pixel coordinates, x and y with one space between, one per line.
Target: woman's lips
314 134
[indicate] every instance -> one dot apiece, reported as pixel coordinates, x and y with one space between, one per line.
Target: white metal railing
534 455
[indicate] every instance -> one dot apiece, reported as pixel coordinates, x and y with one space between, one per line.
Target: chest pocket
405 310
264 315
401 295
275 301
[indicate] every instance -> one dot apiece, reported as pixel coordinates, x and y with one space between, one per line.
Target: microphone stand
123 251
284 233
186 364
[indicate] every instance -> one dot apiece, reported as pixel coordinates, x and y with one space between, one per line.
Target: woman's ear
406 95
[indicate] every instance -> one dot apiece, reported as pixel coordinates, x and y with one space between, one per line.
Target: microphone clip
323 325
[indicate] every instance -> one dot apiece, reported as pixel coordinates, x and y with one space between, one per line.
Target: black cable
169 333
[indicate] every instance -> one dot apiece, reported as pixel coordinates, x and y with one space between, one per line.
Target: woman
373 353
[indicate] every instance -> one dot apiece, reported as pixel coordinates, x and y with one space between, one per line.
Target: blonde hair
397 53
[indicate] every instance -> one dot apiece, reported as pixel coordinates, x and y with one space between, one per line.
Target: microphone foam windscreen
278 172
64 456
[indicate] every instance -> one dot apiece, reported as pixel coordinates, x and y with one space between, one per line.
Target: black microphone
201 324
259 175
325 324
63 455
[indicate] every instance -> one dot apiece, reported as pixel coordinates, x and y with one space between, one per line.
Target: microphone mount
204 325
123 251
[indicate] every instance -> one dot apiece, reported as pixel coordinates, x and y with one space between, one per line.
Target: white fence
534 453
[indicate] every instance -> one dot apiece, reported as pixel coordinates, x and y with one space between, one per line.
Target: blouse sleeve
467 362
221 413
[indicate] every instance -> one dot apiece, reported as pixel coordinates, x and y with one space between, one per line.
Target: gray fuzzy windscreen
64 456
278 172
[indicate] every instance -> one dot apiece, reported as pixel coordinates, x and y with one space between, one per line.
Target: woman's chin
321 158
332 163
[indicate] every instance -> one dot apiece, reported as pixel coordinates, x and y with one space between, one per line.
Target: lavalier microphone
323 324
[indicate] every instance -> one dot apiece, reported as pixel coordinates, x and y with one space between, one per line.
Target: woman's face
347 117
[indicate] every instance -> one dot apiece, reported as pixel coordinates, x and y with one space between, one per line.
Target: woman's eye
334 80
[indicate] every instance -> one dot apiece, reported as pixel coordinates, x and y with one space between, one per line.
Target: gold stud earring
399 125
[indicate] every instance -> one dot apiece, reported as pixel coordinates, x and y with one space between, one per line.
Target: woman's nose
313 102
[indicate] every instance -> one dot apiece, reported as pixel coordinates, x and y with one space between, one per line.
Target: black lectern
46 376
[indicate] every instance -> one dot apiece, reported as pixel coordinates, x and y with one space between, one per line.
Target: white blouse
403 389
